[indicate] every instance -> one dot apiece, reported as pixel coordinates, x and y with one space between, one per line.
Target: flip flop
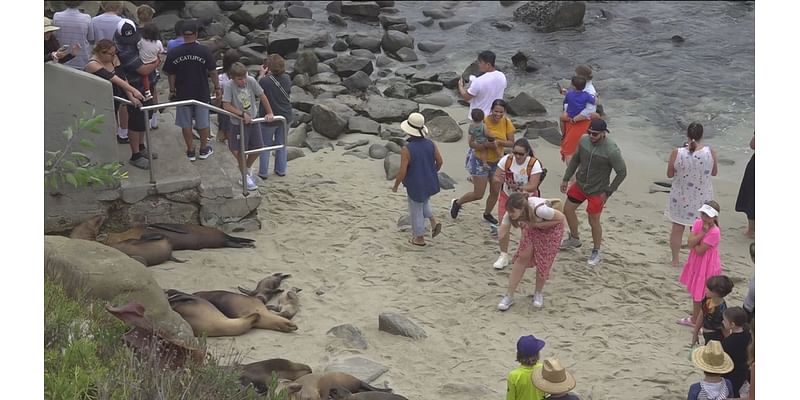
417 244
437 229
686 321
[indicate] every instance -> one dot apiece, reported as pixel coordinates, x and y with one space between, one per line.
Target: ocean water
651 88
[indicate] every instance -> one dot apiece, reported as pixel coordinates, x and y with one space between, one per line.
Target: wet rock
337 20
677 39
346 65
393 41
400 90
406 72
398 27
378 151
397 324
549 16
523 61
404 54
283 43
426 22
306 63
365 9
362 41
325 78
363 53
446 182
503 25
351 335
437 13
316 142
424 75
381 109
323 54
445 25
362 368
391 165
449 79
471 69
430 47
230 5
357 82
427 87
431 113
297 136
524 104
383 61
444 129
327 121
299 12
387 20
440 99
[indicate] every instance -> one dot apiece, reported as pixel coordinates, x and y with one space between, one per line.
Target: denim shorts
476 167
185 114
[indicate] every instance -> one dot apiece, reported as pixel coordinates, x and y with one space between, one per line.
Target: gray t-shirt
245 98
279 103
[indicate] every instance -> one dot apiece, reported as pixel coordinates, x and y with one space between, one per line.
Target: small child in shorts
150 47
478 131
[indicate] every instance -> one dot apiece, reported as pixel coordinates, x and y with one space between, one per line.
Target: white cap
708 210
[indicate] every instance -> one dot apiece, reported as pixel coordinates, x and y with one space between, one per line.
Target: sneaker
501 262
251 184
191 155
454 208
490 219
507 302
154 122
123 140
570 243
206 152
140 162
144 153
538 300
594 258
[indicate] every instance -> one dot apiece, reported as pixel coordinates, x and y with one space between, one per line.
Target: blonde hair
145 13
112 5
276 64
237 70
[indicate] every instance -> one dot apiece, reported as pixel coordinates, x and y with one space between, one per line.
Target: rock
382 110
438 99
365 9
363 53
315 141
351 335
430 47
205 11
348 101
426 22
325 78
339 45
346 65
393 147
258 36
362 368
427 87
300 117
400 90
397 324
326 91
254 52
446 182
293 153
306 63
431 113
393 132
391 165
310 35
334 7
471 69
283 43
387 20
677 39
230 5
399 27
356 153
387 3
445 25
353 145
549 16
297 136
359 81
337 20
524 104
378 151
358 124
234 39
547 130
362 41
503 25
243 30
339 106
166 22
406 72
507 3
327 122
524 62
323 54
299 12
449 79
424 76
444 129
393 41
301 80
405 54
437 13
404 223
382 61
253 16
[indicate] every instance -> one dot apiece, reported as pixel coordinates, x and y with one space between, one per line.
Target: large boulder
325 78
301 100
387 21
444 129
549 16
252 53
449 79
359 81
431 113
378 151
363 53
296 11
430 47
259 36
98 271
427 87
405 54
253 16
230 5
440 99
233 39
363 125
396 40
364 9
424 75
400 90
283 43
446 25
166 22
397 324
306 63
362 41
346 65
471 69
381 109
205 11
437 13
525 104
350 335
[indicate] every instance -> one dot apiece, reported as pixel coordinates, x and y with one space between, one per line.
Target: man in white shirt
486 88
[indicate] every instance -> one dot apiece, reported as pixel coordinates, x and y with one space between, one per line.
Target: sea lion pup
88 229
150 249
205 319
317 386
236 305
267 287
184 236
259 373
340 393
288 303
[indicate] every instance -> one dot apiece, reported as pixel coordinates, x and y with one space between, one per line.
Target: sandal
417 244
437 229
686 321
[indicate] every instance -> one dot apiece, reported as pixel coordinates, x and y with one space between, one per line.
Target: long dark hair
150 32
695 133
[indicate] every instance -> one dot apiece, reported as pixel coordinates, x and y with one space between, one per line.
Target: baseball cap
598 125
190 27
126 32
528 346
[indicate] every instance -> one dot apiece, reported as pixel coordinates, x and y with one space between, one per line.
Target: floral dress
691 185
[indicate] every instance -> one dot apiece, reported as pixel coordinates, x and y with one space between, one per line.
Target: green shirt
594 163
520 385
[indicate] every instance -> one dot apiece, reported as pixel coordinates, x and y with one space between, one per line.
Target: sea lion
259 373
184 236
288 303
150 249
88 229
316 386
205 319
236 305
267 287
340 393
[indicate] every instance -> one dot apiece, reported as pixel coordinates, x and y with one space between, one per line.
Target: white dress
691 185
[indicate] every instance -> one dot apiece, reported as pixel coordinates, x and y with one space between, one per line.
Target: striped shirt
104 26
74 29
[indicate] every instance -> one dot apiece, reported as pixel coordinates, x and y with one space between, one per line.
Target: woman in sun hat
554 380
714 362
420 162
52 48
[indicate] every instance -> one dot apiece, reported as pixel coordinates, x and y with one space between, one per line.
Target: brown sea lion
184 236
267 287
205 319
259 373
317 386
236 305
340 393
288 303
88 229
150 249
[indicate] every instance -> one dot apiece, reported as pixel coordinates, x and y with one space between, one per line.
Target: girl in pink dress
703 259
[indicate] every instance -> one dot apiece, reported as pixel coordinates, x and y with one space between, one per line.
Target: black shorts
136 120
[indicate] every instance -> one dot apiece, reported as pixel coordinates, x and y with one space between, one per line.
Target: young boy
554 380
712 308
520 383
576 101
240 96
477 130
714 362
735 345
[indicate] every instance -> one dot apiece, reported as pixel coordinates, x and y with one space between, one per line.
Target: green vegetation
85 358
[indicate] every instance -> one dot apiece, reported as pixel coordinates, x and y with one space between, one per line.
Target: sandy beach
332 224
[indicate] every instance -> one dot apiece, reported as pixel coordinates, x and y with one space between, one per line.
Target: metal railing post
146 138
243 159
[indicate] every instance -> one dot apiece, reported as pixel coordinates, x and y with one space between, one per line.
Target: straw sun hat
48 25
711 358
552 378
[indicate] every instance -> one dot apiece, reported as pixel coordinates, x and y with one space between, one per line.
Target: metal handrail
242 154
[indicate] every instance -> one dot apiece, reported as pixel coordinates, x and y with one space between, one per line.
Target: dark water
650 87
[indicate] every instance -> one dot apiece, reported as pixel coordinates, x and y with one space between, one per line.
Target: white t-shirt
518 170
532 202
485 89
149 50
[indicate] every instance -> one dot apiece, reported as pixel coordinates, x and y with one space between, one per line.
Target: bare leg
572 218
494 193
696 311
518 271
597 230
675 239
136 138
188 138
478 189
539 283
204 137
751 229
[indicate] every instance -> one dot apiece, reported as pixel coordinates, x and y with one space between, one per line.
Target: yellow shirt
520 385
503 130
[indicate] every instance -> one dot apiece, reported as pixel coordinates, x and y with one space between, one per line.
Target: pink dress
699 268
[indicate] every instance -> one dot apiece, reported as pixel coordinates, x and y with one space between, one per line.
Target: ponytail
695 133
692 145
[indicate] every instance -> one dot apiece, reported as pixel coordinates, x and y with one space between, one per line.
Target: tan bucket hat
552 378
711 358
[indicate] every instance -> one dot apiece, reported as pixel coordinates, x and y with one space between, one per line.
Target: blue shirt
422 179
576 101
174 43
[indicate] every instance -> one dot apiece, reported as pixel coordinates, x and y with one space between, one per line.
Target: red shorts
576 195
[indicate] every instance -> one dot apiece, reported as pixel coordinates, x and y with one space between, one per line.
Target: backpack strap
509 160
531 163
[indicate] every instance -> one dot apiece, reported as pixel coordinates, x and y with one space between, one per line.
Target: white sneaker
502 261
154 122
507 302
538 300
570 243
594 258
251 184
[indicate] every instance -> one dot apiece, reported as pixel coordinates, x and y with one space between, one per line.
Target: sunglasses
520 154
595 133
110 53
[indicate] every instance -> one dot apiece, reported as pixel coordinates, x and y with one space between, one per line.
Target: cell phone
63 48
